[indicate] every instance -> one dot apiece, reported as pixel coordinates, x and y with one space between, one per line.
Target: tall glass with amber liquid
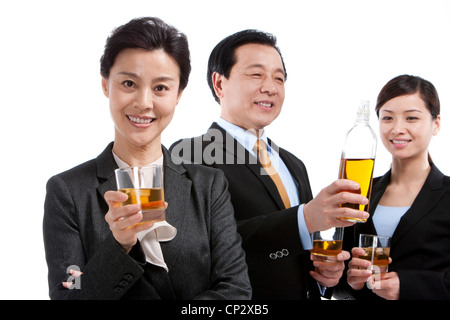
144 186
358 157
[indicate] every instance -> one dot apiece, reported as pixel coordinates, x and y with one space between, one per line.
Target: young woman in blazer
411 202
144 69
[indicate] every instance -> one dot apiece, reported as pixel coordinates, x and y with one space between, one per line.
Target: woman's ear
105 87
180 93
437 125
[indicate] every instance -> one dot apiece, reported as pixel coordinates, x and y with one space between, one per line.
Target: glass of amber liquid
328 244
144 186
376 250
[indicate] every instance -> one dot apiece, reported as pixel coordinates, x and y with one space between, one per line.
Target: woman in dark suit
92 246
411 202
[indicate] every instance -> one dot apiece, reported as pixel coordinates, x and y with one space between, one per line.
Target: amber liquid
151 201
327 248
379 258
360 171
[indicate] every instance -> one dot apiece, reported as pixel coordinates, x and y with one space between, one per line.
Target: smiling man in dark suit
246 74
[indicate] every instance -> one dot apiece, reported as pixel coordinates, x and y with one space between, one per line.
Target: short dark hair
407 84
148 33
223 57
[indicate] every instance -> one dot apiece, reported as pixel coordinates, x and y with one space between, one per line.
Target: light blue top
386 219
248 139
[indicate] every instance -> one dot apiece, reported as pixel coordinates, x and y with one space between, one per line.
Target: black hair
407 84
148 33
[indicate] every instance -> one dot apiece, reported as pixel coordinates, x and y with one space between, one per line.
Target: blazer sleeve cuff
110 273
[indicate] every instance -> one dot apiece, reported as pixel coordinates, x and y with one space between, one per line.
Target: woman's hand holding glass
388 287
359 273
123 220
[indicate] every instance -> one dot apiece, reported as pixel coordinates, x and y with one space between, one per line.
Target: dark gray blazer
205 259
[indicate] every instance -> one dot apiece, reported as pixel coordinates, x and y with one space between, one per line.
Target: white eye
161 88
128 83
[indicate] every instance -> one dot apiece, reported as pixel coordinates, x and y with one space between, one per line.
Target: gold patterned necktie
264 160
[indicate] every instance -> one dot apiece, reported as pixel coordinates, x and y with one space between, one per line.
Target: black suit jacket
205 259
420 245
267 228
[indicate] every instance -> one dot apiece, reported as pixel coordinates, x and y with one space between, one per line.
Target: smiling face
406 127
253 94
143 90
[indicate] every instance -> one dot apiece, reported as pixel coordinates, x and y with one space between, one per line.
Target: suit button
128 277
279 254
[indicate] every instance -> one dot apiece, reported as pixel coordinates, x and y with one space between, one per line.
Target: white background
54 115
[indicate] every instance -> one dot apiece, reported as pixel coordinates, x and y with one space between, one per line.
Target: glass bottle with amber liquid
358 157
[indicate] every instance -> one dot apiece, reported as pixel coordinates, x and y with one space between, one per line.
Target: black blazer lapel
105 173
299 173
431 192
232 149
267 181
427 198
177 194
379 186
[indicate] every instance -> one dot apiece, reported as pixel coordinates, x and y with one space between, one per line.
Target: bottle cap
363 110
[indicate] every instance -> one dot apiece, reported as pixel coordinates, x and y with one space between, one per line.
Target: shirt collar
247 138
123 164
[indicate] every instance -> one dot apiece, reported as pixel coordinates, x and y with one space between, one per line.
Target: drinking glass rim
374 235
385 241
132 168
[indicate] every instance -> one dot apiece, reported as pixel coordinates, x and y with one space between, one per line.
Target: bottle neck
362 119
